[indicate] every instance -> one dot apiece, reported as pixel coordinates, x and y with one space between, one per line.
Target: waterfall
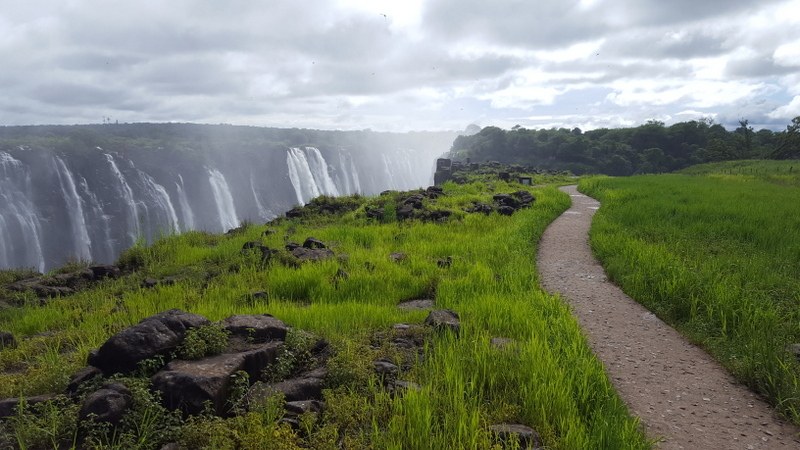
25 247
186 210
99 216
74 204
134 229
348 177
305 187
161 199
263 213
319 170
222 197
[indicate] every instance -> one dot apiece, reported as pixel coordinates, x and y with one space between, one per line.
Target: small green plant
389 211
295 355
237 398
206 340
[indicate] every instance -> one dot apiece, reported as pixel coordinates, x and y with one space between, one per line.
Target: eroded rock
258 328
443 319
108 404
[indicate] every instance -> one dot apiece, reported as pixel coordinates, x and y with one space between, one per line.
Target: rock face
107 404
307 386
7 340
258 328
155 335
187 385
526 437
443 319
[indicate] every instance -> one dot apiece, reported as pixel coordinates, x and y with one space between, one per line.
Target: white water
186 210
348 177
305 187
15 203
98 214
134 230
162 200
319 170
223 199
74 204
263 213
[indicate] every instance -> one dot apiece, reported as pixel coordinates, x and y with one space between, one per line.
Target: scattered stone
9 406
7 340
295 212
436 215
443 319
249 245
314 243
416 304
104 271
290 246
154 335
311 254
397 257
524 197
445 262
478 207
506 210
307 386
506 200
500 342
401 385
108 404
149 283
374 213
525 436
259 328
405 212
188 385
82 376
383 367
259 294
303 406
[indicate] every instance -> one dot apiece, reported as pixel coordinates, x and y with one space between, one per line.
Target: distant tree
789 147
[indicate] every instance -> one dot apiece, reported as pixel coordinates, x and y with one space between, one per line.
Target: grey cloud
758 66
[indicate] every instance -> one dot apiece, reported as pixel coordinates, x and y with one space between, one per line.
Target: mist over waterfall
89 192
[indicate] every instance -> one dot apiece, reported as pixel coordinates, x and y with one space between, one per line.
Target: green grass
716 254
547 379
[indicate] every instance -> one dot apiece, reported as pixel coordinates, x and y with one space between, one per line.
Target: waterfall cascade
91 204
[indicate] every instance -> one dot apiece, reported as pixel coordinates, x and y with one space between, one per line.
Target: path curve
681 395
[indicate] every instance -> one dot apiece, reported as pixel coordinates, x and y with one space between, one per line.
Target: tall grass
547 378
716 254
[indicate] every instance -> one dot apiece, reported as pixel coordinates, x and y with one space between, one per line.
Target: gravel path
681 395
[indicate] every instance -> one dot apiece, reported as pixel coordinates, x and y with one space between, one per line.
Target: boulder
8 407
525 198
7 340
80 377
443 319
307 386
397 257
154 335
506 200
526 437
314 243
478 207
256 359
100 272
188 385
149 283
506 210
311 254
299 407
385 368
261 328
108 404
405 212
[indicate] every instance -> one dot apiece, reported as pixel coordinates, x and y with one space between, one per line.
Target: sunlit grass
718 255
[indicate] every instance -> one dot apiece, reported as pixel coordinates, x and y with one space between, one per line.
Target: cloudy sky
400 64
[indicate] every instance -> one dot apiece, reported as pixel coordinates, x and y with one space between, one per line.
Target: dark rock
292 245
314 243
405 212
82 376
249 245
525 198
267 253
436 215
385 368
397 257
104 271
794 349
303 406
168 281
258 294
149 283
155 335
268 232
340 274
307 386
257 359
108 404
416 304
525 436
261 328
295 212
187 385
7 340
506 210
401 385
506 200
374 213
311 254
445 262
500 342
8 407
443 319
478 207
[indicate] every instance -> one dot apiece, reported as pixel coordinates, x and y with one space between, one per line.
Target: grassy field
547 379
714 251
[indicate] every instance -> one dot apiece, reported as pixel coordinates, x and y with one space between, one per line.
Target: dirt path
678 391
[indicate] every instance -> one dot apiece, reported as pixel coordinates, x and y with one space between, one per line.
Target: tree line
649 148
